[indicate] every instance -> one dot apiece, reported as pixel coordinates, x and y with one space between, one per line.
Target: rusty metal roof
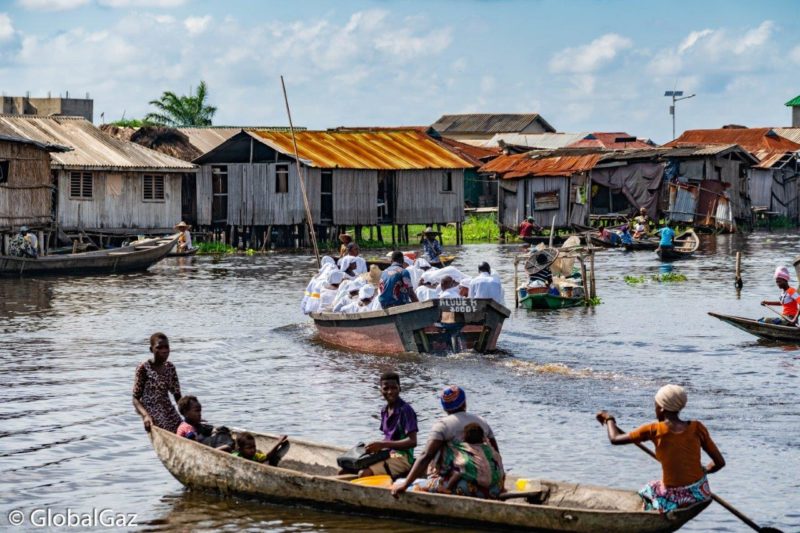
373 150
608 140
550 163
91 148
763 143
488 123
793 134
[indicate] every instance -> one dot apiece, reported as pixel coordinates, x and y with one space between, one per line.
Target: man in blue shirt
667 236
430 246
396 286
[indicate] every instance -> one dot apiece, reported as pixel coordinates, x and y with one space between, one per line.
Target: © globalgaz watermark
51 518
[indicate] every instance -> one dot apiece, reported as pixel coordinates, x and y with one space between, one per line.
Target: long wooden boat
126 259
641 244
549 301
445 325
187 253
544 239
684 246
763 330
384 263
307 475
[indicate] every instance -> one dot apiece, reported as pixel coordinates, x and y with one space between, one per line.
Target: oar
780 315
738 514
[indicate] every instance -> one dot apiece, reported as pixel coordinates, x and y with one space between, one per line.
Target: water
70 438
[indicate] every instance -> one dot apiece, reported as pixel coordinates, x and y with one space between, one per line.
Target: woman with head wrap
788 299
678 444
310 302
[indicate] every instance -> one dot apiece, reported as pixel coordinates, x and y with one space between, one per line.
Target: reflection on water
70 438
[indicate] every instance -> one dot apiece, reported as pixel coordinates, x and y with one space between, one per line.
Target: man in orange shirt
678 444
788 299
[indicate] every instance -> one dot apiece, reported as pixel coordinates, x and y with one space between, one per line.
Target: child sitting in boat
788 299
246 449
193 428
678 444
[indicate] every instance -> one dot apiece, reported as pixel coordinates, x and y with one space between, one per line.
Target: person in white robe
427 289
487 285
328 294
352 264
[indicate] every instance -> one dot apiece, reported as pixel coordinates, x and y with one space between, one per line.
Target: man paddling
788 300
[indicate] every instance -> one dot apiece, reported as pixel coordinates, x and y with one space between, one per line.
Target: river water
70 438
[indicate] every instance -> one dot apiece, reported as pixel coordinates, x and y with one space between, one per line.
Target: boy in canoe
399 427
193 428
678 444
788 299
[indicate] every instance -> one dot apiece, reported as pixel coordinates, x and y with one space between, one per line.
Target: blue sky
585 66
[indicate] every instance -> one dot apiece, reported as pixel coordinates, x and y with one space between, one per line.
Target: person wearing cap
528 227
449 288
427 289
544 276
310 302
678 444
463 286
348 293
185 238
463 446
788 300
345 238
24 244
417 269
396 288
351 264
364 302
328 294
485 285
431 249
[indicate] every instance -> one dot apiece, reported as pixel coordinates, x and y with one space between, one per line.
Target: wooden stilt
738 282
378 228
393 241
593 294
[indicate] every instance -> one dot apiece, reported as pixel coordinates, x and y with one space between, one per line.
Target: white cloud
142 3
197 25
52 5
6 28
590 57
754 38
794 55
692 39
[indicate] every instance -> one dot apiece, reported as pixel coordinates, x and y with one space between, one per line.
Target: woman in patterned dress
154 380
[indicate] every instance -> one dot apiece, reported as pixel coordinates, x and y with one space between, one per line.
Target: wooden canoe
549 301
126 259
685 245
307 475
187 253
446 325
383 263
641 244
762 330
544 239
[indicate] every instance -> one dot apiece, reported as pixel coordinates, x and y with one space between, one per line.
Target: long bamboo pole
311 230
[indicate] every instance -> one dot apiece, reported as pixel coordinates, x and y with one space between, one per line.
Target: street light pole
677 96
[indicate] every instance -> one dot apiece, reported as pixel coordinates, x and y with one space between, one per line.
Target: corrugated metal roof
206 139
793 102
91 148
544 141
608 140
542 164
793 134
761 142
43 146
375 150
488 123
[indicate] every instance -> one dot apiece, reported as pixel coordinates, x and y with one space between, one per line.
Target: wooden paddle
781 315
738 514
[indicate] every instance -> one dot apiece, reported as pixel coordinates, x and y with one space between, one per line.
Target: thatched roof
170 141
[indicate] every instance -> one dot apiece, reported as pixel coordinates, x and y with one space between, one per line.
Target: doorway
386 196
219 188
326 197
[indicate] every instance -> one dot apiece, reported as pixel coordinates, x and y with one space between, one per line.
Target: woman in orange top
788 299
678 445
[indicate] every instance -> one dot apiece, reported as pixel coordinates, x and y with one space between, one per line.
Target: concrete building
794 103
48 107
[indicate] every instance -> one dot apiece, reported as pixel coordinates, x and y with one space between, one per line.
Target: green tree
174 110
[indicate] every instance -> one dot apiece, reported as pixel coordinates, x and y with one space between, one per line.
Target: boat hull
448 325
638 245
684 246
549 301
307 475
127 259
770 332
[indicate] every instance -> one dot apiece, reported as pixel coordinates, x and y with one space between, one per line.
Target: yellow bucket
374 481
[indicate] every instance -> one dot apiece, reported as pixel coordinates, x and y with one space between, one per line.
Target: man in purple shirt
399 427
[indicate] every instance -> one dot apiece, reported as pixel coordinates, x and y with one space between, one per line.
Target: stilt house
249 186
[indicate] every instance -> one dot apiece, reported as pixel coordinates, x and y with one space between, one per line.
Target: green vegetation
780 222
633 280
477 228
669 277
130 123
176 111
216 248
591 302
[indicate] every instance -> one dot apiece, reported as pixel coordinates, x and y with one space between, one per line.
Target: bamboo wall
117 202
26 198
420 199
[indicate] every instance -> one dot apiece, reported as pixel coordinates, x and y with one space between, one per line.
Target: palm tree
174 110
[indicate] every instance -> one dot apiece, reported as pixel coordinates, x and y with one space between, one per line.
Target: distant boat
139 255
684 245
446 325
762 330
185 253
308 475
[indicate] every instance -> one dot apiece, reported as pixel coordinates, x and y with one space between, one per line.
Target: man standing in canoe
667 235
396 286
788 299
431 249
678 444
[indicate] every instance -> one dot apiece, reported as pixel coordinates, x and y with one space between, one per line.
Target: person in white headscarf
352 264
427 289
463 286
416 270
328 294
678 444
366 301
310 302
348 293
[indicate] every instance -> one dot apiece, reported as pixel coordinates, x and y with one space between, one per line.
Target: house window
80 185
544 201
447 181
282 177
4 165
152 188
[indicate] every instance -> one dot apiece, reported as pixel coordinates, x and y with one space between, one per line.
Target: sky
598 65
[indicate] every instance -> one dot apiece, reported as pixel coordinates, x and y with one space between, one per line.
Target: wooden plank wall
355 197
204 195
509 214
117 203
25 199
548 184
420 199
